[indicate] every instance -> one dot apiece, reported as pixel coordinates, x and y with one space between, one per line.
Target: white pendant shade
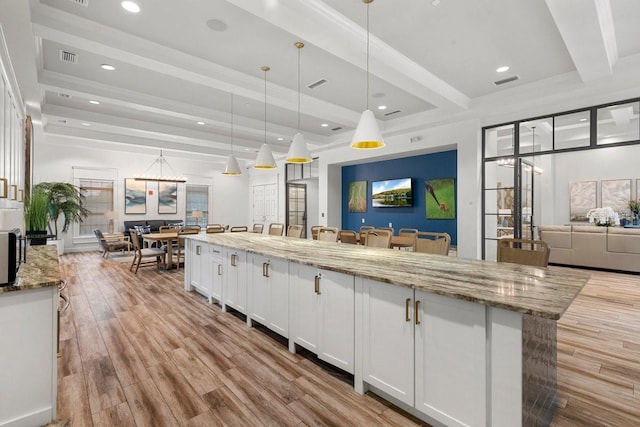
265 159
367 134
298 152
232 167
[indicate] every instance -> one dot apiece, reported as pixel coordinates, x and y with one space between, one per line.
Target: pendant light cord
232 123
265 69
299 88
367 101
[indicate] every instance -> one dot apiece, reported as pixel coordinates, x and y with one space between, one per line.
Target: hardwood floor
138 350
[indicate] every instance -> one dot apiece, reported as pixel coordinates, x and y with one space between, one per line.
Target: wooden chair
328 234
165 228
257 228
524 251
408 233
432 243
378 238
109 246
178 249
147 253
386 228
215 228
276 229
294 230
239 229
314 231
348 236
363 233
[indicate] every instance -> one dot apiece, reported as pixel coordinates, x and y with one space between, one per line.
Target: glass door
297 206
524 201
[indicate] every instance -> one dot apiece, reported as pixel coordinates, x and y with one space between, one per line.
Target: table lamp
110 216
197 215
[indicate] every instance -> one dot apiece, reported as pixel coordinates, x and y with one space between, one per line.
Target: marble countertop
40 271
542 292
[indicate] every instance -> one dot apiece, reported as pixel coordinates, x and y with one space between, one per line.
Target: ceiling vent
84 3
316 84
64 95
69 57
337 128
507 80
392 113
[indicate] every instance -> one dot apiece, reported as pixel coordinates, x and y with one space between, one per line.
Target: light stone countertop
40 271
542 292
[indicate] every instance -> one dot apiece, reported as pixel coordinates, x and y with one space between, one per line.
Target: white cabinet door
304 307
450 360
336 319
216 272
269 293
388 339
235 280
194 264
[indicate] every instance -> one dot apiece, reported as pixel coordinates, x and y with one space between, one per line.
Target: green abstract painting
440 196
357 196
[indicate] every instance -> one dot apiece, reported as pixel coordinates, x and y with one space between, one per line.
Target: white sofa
614 248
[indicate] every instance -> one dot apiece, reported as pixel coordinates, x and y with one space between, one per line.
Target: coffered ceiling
177 63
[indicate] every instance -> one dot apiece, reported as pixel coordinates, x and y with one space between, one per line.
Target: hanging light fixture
159 178
265 159
232 168
367 134
298 152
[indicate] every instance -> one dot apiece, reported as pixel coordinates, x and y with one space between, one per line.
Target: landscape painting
440 197
135 196
582 198
167 197
357 196
391 193
616 194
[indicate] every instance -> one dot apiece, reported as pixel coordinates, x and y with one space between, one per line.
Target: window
197 200
618 123
98 199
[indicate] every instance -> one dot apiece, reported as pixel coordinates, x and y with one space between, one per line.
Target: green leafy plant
36 211
634 206
63 199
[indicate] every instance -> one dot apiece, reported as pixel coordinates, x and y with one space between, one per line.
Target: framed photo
582 198
135 196
167 197
440 198
616 194
357 196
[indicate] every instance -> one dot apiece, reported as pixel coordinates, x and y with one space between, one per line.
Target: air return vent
337 128
316 84
507 80
392 113
69 57
84 3
64 95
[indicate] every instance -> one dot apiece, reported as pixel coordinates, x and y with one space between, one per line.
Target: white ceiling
172 70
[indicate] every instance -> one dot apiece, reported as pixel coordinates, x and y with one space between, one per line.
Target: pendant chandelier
159 178
232 168
265 158
298 152
367 134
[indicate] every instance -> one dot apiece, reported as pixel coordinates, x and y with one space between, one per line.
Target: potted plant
36 216
634 207
63 199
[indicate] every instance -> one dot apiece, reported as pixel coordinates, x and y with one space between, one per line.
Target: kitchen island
454 341
28 341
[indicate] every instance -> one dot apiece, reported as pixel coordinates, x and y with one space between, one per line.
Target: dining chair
387 229
110 246
328 234
217 228
239 229
165 228
378 238
348 236
523 251
179 248
430 242
363 233
147 254
314 231
276 229
408 233
257 228
294 230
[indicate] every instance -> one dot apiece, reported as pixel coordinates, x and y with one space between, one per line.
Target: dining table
396 241
166 237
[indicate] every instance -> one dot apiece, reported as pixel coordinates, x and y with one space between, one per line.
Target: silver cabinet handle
219 269
406 310
316 284
265 269
233 260
198 249
417 312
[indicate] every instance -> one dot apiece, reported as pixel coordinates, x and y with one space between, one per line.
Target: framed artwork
167 197
582 198
637 188
440 198
357 196
616 194
135 196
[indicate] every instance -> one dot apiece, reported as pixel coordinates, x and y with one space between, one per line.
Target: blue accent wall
419 168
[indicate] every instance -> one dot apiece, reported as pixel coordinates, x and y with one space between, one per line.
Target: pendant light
232 168
298 152
265 159
367 134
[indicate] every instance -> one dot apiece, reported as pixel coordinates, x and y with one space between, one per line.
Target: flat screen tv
392 193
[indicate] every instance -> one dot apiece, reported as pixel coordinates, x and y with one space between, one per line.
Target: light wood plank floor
138 350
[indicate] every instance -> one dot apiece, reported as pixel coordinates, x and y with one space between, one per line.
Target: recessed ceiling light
107 67
217 25
280 138
86 124
382 107
502 69
200 123
583 120
130 6
435 2
324 125
94 102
